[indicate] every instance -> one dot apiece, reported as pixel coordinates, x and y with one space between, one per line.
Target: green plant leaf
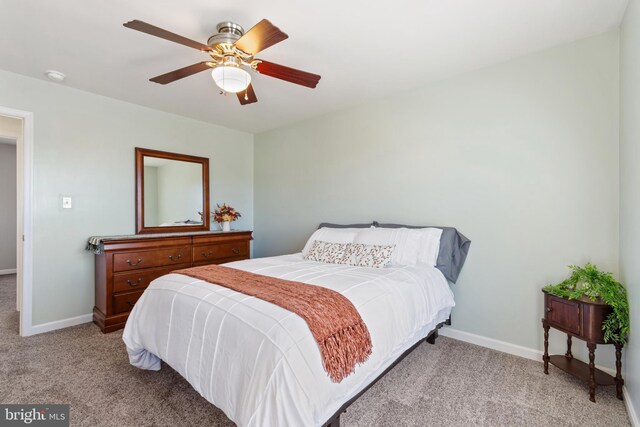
589 281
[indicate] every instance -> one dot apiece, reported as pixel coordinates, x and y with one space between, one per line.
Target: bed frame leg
431 339
334 423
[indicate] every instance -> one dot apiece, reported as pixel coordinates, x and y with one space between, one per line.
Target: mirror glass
172 192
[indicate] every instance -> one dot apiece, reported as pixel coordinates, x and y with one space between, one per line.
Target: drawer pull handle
130 303
208 254
130 283
549 309
176 258
133 264
235 250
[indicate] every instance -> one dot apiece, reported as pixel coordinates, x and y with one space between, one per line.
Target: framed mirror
172 192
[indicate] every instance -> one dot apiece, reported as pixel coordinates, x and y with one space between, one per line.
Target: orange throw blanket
335 323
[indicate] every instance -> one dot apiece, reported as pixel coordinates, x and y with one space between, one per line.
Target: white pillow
405 240
429 245
331 235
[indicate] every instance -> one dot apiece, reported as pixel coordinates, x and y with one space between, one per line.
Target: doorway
10 292
16 270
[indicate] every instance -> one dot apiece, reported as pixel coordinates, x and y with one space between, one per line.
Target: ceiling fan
231 51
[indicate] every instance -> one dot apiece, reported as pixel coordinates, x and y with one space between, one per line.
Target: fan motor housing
228 32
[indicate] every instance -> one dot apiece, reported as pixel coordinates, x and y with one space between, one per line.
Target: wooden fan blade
247 96
164 34
289 74
261 36
172 76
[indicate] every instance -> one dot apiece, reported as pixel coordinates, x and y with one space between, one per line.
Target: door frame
24 237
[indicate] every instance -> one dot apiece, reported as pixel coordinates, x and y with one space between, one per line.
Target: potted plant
225 215
590 282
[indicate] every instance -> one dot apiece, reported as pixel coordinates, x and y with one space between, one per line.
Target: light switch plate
66 203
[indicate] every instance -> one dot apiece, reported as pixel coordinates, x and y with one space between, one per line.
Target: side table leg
619 380
568 354
592 371
545 356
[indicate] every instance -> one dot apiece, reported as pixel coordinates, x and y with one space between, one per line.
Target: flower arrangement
225 213
595 284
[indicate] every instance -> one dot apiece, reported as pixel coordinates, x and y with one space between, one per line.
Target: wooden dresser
126 266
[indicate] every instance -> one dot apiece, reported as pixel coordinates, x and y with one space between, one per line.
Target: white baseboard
59 324
528 353
631 411
505 347
8 271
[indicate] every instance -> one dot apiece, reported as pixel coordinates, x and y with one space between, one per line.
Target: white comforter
258 362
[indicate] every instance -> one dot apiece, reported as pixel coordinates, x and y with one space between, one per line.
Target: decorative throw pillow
332 253
376 256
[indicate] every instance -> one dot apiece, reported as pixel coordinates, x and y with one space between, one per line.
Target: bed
258 362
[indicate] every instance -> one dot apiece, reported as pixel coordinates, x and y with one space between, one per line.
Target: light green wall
630 189
84 148
8 202
521 157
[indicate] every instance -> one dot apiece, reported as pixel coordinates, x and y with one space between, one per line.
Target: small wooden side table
580 318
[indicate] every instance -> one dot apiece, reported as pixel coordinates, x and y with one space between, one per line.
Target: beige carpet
448 384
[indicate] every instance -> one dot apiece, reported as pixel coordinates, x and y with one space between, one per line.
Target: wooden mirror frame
140 227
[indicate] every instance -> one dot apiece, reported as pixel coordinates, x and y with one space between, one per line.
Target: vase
226 225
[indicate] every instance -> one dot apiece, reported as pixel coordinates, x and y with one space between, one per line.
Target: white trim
25 276
505 347
60 324
8 271
631 411
9 136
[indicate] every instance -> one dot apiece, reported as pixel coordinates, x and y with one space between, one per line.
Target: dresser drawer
127 266
138 280
564 314
124 302
153 258
237 249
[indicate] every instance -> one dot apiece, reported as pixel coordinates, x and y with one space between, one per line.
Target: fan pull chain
246 89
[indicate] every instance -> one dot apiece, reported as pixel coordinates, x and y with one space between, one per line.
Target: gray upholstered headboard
454 246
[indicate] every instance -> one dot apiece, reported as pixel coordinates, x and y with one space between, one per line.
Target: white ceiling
363 49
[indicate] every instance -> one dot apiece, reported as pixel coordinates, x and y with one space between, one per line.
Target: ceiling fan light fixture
232 53
231 79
